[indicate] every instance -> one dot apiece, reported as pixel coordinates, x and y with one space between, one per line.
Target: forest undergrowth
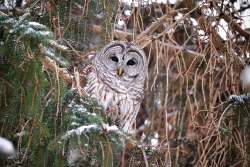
195 111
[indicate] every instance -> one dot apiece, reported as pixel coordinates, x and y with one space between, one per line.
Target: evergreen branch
239 100
21 20
57 46
37 25
49 64
101 129
35 31
81 130
49 52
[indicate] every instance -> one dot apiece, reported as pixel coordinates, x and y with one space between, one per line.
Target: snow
77 108
127 12
194 22
120 22
214 23
29 31
86 128
6 146
143 137
9 4
201 32
110 128
210 12
74 124
223 29
155 140
93 114
245 77
79 131
156 135
20 134
146 2
46 33
246 19
172 1
178 16
10 21
49 52
147 122
237 6
37 25
55 44
239 100
74 117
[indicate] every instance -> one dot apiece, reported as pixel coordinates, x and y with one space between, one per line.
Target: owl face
124 62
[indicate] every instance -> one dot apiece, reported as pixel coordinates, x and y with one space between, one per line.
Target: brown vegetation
191 76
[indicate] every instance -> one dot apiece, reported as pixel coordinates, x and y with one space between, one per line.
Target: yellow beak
119 72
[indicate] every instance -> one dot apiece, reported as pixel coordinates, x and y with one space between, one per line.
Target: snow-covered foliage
136 3
195 52
87 129
37 32
240 99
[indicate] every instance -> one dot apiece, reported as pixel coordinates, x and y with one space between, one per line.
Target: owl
116 79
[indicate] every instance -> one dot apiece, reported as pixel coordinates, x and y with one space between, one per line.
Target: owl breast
114 101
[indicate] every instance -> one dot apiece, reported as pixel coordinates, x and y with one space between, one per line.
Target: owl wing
85 66
128 110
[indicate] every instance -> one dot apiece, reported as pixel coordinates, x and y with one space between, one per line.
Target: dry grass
191 76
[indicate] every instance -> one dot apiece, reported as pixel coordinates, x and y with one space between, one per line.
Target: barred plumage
116 80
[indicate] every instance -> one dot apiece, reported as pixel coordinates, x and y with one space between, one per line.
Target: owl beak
119 72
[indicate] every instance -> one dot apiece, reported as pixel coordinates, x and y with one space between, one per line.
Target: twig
233 24
152 27
181 48
3 14
49 64
118 33
145 157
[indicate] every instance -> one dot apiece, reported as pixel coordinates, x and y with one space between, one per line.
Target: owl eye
131 62
114 59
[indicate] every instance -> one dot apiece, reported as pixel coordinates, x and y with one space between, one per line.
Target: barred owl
116 80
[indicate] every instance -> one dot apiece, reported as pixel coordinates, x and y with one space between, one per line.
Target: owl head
122 64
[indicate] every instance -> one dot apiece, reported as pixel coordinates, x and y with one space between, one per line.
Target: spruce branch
239 99
37 32
51 65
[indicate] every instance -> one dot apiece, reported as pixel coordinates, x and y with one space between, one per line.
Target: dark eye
114 59
131 62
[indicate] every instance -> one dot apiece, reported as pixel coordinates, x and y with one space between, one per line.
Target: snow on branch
81 130
239 99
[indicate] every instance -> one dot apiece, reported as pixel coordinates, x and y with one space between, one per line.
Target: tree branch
49 64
